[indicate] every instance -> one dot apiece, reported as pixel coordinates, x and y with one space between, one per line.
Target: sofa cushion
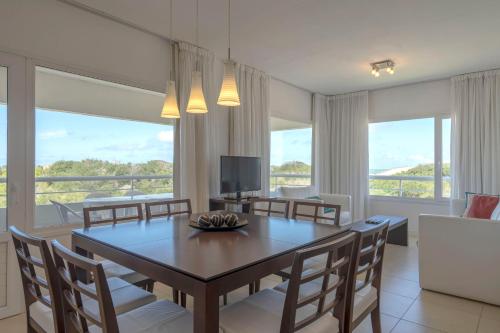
298 192
481 206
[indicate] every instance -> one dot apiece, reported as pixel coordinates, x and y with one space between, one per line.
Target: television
239 174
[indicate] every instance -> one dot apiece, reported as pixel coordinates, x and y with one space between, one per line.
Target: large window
87 155
403 160
291 150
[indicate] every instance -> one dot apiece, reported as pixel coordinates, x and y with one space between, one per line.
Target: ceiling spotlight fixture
388 65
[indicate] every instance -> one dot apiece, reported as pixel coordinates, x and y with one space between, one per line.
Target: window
86 155
403 158
291 147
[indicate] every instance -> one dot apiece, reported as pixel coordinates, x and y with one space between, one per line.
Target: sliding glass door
12 175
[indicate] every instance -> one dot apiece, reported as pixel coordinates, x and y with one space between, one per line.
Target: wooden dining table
203 264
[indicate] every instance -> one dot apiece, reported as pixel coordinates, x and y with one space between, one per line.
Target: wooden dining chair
42 289
159 316
266 207
316 211
320 312
365 287
269 207
110 214
42 297
168 208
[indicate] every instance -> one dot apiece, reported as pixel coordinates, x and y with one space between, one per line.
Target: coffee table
398 228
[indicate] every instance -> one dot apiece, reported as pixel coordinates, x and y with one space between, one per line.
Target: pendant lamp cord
229 30
170 30
197 34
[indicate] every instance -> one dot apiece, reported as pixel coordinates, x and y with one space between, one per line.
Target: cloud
165 136
420 159
57 134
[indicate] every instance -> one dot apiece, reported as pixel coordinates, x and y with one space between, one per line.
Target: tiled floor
405 307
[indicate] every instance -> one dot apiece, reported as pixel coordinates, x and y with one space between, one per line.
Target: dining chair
269 207
66 214
364 287
159 316
167 208
321 312
42 291
113 214
317 212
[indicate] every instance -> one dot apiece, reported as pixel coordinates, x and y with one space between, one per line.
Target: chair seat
262 312
311 263
112 269
157 317
125 297
362 300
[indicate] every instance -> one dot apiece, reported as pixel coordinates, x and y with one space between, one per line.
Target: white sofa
460 256
302 192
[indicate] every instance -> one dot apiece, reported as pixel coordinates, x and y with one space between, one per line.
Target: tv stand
222 203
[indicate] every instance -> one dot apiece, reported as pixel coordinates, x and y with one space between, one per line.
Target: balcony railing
407 186
287 179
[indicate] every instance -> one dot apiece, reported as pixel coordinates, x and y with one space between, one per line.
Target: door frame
17 114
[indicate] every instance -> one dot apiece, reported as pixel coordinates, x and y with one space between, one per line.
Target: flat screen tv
239 174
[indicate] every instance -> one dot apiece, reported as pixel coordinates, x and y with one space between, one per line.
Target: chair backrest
65 212
77 316
109 214
368 264
168 208
38 286
269 207
333 295
316 211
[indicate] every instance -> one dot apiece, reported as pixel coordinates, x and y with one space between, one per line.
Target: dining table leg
206 310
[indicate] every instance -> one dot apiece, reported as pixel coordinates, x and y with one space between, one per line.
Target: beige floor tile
394 305
490 319
408 327
446 313
388 324
400 286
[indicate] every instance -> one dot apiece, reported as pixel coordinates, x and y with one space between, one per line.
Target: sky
67 136
291 145
405 143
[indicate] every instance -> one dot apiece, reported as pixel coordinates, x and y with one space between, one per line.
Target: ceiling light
196 103
170 106
229 90
388 65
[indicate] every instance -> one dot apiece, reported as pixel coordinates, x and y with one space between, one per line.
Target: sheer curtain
249 123
476 133
341 147
192 152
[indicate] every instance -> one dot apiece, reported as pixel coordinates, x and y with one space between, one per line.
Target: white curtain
476 133
249 122
341 147
192 152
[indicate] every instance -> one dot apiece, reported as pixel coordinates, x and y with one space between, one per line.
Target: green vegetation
294 168
77 191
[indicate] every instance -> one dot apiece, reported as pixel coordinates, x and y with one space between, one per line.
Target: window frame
30 200
438 167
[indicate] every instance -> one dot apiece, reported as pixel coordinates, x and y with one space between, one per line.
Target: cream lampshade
229 90
196 102
170 106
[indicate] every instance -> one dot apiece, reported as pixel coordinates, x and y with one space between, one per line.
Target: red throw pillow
481 206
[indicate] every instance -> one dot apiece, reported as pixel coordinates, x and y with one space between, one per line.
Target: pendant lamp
196 103
170 106
229 90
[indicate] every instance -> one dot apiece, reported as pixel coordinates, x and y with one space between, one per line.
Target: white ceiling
326 45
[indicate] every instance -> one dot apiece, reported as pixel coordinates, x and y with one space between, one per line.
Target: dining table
203 264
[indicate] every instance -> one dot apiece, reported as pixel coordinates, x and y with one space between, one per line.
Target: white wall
290 102
403 102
